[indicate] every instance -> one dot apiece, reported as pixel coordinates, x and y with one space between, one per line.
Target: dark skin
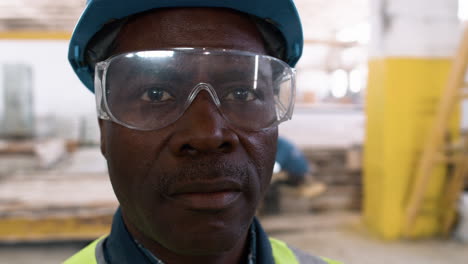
160 176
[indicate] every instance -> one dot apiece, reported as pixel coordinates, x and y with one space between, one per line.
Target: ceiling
321 18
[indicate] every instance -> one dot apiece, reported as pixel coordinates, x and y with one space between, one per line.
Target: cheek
261 147
129 157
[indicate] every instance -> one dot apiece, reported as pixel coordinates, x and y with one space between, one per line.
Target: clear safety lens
149 90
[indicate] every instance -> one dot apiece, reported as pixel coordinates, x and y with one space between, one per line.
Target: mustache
202 171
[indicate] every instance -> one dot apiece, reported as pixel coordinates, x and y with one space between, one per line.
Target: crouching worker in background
189 97
291 169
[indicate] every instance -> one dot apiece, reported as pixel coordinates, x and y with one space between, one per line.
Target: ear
102 128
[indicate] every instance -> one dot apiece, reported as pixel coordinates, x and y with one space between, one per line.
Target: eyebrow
167 73
227 74
164 74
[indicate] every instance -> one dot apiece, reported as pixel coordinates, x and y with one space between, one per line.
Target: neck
232 256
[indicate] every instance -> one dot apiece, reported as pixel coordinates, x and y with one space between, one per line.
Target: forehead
190 27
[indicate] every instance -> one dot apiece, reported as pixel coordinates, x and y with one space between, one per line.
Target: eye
156 95
243 95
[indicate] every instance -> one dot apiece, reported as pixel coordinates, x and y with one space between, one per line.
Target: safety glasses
149 90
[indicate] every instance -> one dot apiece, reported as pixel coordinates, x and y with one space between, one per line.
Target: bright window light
321 84
339 83
463 9
356 81
358 33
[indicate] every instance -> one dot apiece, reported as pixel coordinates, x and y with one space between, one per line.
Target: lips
206 195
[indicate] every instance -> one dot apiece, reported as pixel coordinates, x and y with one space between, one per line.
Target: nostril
193 150
225 147
187 148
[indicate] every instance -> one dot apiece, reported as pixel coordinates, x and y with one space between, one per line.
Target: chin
205 233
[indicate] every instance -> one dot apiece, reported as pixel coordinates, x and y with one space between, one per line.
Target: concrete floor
335 234
340 235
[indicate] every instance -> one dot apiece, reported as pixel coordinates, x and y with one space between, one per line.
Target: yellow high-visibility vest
282 254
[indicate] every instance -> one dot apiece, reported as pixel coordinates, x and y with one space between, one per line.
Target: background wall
56 89
61 103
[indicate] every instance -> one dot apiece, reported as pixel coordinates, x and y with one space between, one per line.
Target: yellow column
405 84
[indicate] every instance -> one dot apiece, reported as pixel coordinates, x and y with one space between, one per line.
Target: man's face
193 186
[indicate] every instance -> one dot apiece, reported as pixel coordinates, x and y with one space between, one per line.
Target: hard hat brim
281 13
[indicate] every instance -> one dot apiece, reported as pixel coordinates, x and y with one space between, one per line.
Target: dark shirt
121 248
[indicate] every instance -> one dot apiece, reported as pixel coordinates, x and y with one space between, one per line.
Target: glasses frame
104 113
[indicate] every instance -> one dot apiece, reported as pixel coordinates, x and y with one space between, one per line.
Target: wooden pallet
55 206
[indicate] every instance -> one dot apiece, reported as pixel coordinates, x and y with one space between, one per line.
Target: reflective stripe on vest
93 254
283 254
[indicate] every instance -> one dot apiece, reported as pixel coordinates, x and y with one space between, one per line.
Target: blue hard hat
280 13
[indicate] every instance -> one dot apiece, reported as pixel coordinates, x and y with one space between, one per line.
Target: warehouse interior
381 116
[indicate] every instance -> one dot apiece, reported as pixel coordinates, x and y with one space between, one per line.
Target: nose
202 130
